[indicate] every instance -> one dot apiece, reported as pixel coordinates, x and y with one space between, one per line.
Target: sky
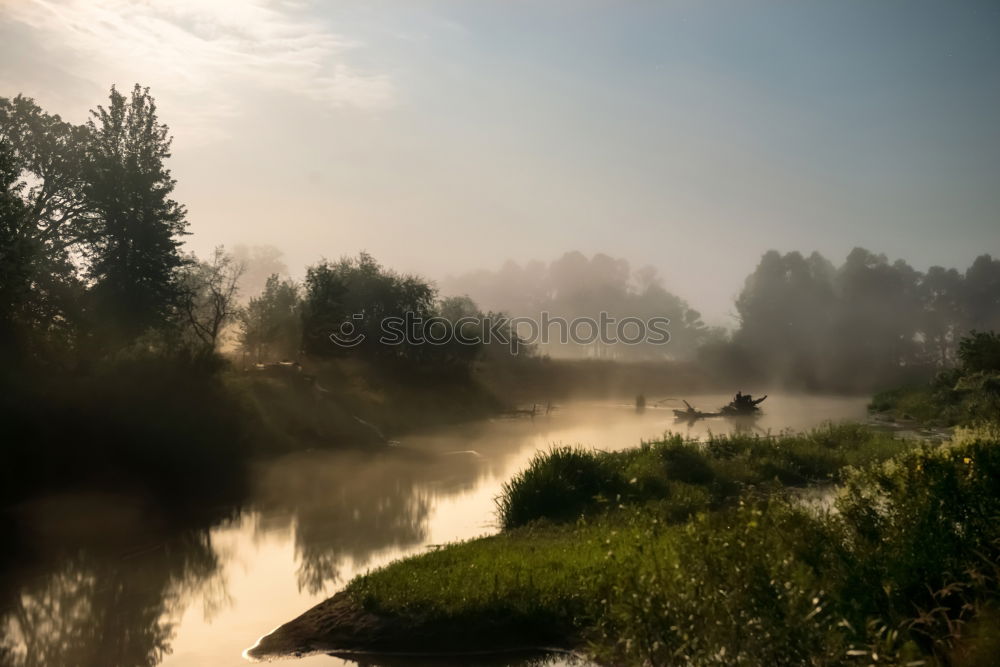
444 136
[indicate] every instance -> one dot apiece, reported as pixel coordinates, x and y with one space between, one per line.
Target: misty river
132 592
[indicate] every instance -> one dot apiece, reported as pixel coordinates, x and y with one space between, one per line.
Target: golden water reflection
105 585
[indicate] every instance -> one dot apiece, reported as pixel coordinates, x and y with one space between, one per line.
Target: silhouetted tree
209 292
982 294
869 323
271 324
785 312
354 297
980 352
134 252
942 317
45 217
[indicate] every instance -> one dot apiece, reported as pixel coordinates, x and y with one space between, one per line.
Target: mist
523 334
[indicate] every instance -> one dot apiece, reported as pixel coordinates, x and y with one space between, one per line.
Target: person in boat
746 401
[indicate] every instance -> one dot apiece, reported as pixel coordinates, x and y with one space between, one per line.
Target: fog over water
290 289
107 579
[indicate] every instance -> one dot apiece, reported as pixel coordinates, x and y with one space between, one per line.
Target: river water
109 586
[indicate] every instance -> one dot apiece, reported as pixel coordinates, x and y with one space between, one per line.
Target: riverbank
180 431
708 560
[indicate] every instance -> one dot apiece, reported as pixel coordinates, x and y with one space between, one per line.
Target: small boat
741 406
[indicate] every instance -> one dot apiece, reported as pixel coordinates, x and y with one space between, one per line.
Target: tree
785 312
43 220
49 157
941 297
355 296
134 252
982 294
980 352
16 252
209 293
271 323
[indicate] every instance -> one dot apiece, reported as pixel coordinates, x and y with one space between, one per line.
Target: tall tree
134 255
45 217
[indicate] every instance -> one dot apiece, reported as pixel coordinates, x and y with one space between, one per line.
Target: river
107 585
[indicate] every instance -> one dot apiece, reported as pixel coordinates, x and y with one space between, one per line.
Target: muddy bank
341 625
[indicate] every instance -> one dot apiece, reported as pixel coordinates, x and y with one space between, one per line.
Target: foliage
575 286
979 352
209 290
183 438
683 477
352 298
866 323
271 323
906 570
377 314
43 219
134 253
968 394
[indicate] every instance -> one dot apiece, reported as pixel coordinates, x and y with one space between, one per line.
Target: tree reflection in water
95 580
354 505
108 598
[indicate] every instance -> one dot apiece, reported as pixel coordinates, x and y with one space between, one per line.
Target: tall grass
906 571
684 476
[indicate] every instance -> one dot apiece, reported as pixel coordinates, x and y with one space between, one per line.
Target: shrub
567 483
559 485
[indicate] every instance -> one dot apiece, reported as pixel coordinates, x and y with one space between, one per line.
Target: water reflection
105 592
351 506
99 581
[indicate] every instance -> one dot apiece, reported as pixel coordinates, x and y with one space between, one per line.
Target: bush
559 485
907 570
683 477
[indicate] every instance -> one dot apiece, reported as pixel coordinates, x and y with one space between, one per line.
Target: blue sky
445 136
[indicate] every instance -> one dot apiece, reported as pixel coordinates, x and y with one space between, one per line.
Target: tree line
576 286
866 324
92 262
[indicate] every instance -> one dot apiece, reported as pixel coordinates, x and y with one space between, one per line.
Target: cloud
203 53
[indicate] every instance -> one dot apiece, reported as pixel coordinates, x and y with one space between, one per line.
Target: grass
905 570
684 477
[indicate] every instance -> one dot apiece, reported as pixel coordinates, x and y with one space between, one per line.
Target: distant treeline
92 269
867 324
574 286
802 322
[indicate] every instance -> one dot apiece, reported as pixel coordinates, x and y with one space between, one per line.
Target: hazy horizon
444 137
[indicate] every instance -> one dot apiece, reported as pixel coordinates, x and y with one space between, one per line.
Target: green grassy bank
681 554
